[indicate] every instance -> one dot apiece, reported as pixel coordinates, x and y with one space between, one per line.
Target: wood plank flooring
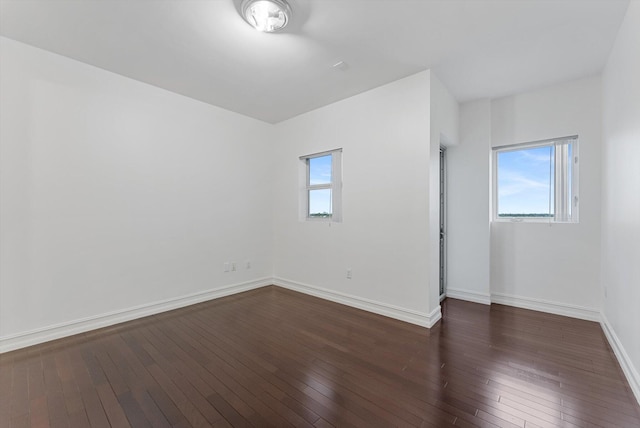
273 357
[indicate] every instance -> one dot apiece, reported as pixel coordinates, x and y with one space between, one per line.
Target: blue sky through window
320 203
526 182
320 173
320 170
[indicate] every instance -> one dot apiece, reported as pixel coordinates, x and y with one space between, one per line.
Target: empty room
318 213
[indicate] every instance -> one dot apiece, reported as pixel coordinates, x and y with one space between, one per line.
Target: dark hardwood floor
272 357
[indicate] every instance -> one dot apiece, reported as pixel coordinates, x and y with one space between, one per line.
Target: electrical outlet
349 273
233 267
248 264
226 266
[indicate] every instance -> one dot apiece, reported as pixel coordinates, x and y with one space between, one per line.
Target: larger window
322 192
537 181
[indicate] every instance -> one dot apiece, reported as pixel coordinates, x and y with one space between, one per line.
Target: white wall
384 235
117 194
554 267
621 196
445 114
468 180
120 199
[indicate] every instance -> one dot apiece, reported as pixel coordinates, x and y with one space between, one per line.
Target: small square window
322 189
537 181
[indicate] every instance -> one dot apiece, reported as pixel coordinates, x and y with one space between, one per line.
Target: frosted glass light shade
266 15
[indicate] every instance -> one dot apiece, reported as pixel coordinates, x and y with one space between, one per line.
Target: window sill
320 219
531 220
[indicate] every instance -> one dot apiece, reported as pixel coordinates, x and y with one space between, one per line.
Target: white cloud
514 183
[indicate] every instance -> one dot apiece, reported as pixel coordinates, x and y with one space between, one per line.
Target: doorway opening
443 224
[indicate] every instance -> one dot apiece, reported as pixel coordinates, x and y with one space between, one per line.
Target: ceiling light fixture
266 15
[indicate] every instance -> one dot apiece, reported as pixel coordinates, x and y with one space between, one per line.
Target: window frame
335 186
560 184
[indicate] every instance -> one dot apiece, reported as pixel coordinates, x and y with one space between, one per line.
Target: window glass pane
320 170
526 182
320 203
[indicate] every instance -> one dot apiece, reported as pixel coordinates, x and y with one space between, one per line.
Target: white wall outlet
248 264
233 267
226 266
349 273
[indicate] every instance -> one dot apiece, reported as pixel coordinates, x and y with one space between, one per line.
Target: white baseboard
57 331
470 296
629 370
408 315
567 310
45 334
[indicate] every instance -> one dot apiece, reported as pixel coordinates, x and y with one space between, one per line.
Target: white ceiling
203 49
